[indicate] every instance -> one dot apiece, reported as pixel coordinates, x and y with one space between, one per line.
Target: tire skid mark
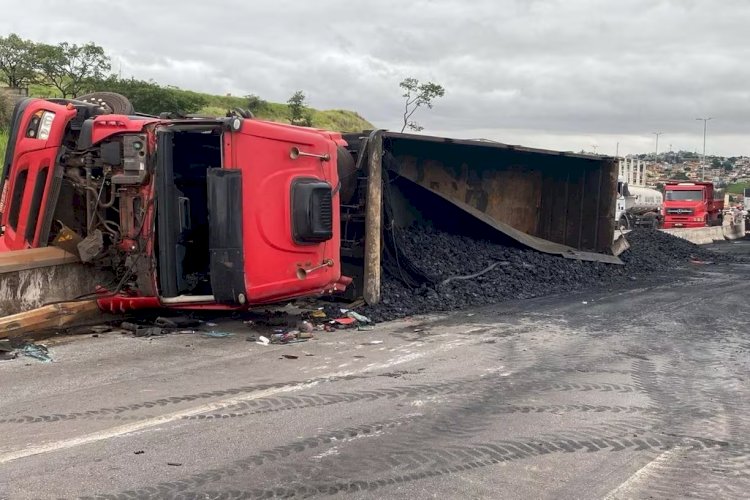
284 403
473 456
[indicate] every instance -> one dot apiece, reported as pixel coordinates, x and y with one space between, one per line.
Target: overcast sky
565 74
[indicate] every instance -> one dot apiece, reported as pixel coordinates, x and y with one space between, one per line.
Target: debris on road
289 356
36 351
216 335
358 317
7 352
48 318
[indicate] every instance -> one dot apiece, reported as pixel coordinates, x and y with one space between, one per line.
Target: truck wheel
624 223
111 102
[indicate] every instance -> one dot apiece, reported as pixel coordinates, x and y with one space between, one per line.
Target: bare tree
417 95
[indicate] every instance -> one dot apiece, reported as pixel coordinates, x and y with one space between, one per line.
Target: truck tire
623 223
111 102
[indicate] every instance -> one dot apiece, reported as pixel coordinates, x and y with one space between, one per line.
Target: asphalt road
633 393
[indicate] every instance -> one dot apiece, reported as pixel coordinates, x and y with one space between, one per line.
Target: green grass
737 187
3 144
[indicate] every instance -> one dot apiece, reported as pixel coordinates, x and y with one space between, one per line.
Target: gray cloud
546 73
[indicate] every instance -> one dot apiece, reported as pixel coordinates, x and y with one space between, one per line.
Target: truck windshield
692 195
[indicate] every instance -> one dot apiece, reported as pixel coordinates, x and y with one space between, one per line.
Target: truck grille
680 211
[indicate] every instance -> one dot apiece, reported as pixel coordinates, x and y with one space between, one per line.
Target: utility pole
617 150
656 151
595 147
703 161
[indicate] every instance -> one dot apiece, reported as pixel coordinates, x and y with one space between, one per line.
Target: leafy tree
255 104
299 113
417 95
716 163
680 176
70 67
17 61
149 97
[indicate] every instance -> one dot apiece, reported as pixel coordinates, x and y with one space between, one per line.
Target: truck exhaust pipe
295 153
302 273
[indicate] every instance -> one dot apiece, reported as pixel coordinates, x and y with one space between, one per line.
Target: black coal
445 262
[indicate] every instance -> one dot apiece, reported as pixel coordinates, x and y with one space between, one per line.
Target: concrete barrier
736 230
35 277
698 235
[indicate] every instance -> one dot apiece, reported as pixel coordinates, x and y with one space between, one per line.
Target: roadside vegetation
71 70
738 187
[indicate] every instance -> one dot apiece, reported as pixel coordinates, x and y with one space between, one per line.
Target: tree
715 163
255 104
70 67
417 95
17 61
680 176
149 97
299 113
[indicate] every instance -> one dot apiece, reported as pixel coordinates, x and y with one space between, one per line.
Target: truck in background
691 204
637 205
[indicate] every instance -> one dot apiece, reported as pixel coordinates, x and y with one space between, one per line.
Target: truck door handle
183 208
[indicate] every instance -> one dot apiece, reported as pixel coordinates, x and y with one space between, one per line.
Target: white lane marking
642 474
114 432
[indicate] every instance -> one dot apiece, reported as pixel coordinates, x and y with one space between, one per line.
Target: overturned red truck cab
187 212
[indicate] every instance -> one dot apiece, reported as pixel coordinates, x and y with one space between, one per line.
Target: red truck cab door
31 172
289 206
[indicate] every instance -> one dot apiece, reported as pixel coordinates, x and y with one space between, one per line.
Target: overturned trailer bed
553 202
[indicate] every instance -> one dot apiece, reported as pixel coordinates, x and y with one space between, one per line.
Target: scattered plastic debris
373 342
216 335
345 321
358 317
174 464
318 314
139 452
263 340
36 351
290 356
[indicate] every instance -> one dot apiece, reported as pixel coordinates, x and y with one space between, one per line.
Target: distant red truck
691 204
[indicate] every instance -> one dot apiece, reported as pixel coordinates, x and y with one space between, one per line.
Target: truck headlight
45 125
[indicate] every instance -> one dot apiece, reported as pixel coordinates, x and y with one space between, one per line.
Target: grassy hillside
214 105
737 187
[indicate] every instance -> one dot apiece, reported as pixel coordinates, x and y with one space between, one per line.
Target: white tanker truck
637 205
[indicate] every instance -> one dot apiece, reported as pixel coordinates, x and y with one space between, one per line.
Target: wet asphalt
634 390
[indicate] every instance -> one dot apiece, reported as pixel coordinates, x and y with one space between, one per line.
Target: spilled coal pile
459 272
